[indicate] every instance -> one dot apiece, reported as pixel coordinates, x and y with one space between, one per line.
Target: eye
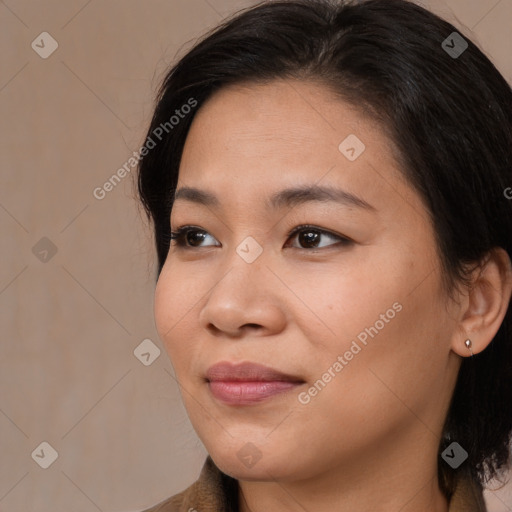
310 236
189 237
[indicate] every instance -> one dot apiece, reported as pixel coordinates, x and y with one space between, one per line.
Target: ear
486 304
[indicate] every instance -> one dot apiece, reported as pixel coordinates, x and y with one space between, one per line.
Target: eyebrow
288 197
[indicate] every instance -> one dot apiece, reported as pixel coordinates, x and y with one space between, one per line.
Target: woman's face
351 309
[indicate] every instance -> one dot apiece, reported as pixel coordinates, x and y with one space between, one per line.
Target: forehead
255 139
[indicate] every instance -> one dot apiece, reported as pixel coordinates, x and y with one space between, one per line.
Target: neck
407 484
279 497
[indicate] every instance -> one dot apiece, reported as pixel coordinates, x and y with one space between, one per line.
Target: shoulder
211 492
170 505
174 504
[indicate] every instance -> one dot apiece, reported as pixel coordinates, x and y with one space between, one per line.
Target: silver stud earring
469 344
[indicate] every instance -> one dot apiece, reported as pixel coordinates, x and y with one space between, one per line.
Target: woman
327 183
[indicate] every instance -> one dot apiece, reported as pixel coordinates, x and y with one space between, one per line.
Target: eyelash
179 237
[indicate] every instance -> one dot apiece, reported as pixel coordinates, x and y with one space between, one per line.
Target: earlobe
469 345
487 304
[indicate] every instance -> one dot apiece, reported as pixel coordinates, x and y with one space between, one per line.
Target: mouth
248 383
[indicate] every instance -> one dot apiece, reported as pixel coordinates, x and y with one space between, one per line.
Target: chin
250 463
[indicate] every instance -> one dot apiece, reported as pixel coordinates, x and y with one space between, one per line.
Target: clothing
214 491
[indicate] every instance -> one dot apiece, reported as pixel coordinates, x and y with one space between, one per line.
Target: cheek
379 317
395 353
173 311
378 381
340 302
163 305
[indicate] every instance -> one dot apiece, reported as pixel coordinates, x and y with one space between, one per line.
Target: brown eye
309 237
194 238
189 237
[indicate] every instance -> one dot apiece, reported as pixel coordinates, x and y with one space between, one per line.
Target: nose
246 299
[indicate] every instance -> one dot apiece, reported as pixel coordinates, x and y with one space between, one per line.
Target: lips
247 372
248 383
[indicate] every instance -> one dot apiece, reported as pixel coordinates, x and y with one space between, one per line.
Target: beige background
68 374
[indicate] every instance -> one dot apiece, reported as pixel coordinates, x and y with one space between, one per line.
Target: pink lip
247 383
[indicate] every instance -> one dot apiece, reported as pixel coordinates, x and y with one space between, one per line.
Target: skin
369 439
